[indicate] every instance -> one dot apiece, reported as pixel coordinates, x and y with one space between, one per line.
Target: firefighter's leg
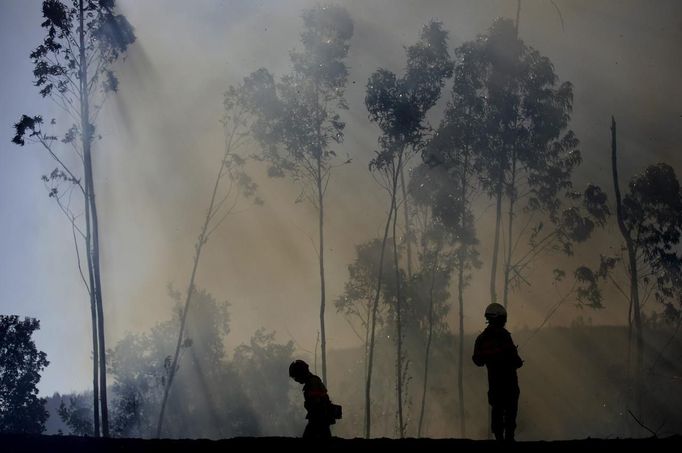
497 421
511 410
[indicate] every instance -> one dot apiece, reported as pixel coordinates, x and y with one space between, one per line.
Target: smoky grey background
162 141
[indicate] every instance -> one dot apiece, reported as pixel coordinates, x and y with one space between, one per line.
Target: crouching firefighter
322 413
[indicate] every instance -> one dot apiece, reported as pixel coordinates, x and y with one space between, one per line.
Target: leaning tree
649 218
231 185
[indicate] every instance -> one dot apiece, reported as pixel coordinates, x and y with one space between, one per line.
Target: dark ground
10 443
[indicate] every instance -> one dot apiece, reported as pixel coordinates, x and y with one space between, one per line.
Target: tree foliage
21 410
298 119
398 105
653 215
77 415
510 98
217 396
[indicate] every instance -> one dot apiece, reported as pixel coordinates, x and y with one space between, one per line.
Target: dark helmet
298 368
495 311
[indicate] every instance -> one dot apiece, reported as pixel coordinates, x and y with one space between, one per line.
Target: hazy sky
162 141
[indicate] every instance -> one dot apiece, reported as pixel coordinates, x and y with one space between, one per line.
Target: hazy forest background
346 183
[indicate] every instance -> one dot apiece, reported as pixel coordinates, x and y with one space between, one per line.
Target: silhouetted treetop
56 60
326 35
21 363
399 105
652 212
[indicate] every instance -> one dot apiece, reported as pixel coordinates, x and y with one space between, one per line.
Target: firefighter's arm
518 362
479 356
513 353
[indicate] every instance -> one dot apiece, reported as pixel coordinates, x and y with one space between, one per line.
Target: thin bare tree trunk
366 363
93 315
320 195
100 309
460 295
496 242
408 227
427 353
460 365
634 283
183 320
399 339
95 355
375 306
201 241
508 261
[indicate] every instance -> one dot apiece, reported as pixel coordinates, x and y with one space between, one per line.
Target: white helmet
495 311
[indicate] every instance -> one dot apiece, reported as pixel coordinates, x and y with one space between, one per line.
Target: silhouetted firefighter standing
495 349
321 411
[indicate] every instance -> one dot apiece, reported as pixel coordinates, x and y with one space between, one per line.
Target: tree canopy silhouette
521 113
21 410
298 119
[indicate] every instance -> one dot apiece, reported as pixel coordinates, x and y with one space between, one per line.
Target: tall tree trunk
100 309
375 306
95 353
508 260
496 242
100 322
320 199
183 320
408 228
93 315
429 336
460 293
634 283
460 365
92 244
366 358
399 336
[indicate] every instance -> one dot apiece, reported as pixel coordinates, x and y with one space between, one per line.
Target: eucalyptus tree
398 105
231 185
298 119
446 183
74 67
649 218
528 153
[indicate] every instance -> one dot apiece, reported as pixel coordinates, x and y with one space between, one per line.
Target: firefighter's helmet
298 368
495 311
